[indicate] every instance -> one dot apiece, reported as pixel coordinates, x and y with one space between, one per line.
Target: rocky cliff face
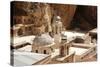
37 11
66 12
84 17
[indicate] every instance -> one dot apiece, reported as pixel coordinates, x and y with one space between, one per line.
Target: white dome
58 17
44 39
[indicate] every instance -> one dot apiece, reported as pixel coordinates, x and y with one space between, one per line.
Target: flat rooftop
71 35
22 58
78 51
93 30
22 40
27 48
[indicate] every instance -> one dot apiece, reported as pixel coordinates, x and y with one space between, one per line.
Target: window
24 20
36 51
20 32
56 28
14 21
29 20
18 21
44 51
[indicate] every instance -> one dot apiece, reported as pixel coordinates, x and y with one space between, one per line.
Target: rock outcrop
41 15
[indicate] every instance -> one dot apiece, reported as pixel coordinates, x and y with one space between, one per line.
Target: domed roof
58 17
43 39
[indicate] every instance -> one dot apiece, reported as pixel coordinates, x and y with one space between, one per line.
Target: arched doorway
45 52
36 51
20 32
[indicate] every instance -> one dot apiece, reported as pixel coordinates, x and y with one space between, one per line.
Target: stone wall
40 49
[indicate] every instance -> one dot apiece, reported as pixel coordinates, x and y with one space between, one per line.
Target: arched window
20 32
36 51
44 51
14 21
29 20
